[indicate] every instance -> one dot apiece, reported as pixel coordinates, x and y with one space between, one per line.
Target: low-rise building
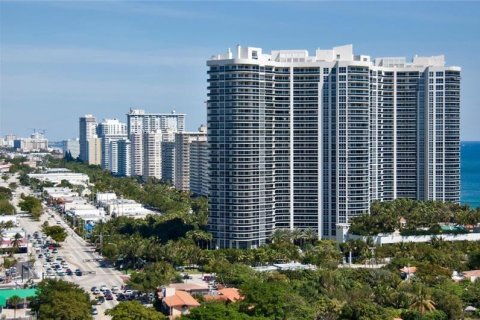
57 177
177 303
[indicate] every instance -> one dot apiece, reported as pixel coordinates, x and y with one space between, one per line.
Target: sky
63 59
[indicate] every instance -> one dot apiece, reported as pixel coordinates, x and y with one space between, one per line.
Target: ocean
470 173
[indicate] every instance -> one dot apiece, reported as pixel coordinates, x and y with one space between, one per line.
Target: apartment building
191 162
301 141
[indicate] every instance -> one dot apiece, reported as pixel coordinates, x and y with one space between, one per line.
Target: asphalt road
77 254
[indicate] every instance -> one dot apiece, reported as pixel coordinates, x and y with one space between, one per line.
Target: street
76 252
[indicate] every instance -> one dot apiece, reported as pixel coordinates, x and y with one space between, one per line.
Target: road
77 253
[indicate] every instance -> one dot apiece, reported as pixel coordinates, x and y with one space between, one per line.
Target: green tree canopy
57 233
58 299
152 277
129 310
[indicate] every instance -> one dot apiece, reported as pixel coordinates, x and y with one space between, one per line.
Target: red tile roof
180 299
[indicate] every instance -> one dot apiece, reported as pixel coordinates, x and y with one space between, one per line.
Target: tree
134 310
14 301
16 241
31 205
6 208
13 185
57 233
58 299
153 276
422 301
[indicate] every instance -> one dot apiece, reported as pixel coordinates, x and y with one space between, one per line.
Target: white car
96 291
103 288
115 289
128 292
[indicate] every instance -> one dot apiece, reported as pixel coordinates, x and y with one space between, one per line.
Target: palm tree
422 301
14 301
16 241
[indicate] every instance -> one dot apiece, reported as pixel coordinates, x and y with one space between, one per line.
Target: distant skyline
60 60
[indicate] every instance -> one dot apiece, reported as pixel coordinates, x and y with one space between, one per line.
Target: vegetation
57 233
58 299
6 208
385 217
32 205
134 310
154 246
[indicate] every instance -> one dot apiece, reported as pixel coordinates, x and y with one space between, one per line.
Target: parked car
115 289
93 288
94 311
69 272
78 273
108 297
103 288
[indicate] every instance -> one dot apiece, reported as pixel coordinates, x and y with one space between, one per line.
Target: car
54 250
128 292
60 273
96 292
59 258
40 256
78 273
94 311
115 289
69 272
103 288
93 289
121 297
108 297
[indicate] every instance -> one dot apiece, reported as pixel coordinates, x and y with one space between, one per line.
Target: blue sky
60 60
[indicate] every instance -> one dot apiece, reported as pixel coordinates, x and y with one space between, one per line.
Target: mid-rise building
72 146
191 162
35 142
87 130
301 141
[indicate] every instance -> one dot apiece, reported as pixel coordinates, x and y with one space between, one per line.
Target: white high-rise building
139 122
87 130
124 157
152 155
110 131
301 141
191 162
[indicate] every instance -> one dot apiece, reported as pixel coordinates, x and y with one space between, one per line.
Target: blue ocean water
470 173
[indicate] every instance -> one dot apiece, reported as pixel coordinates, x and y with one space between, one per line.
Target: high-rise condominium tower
191 162
140 123
87 130
299 141
111 130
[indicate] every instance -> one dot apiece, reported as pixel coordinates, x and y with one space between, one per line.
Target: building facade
87 130
191 162
72 146
94 151
124 157
152 155
139 123
299 141
111 131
